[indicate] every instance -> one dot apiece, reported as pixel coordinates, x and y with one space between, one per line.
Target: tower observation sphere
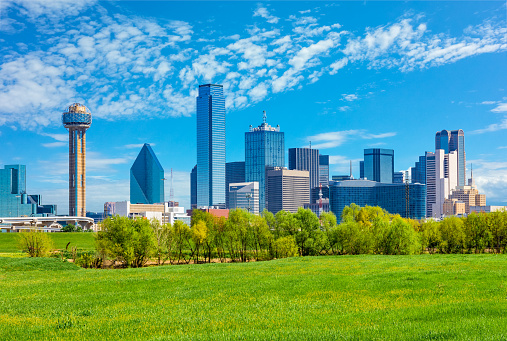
77 119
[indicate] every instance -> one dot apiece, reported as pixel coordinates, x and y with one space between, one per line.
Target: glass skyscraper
146 178
451 141
211 146
234 173
379 165
193 188
264 150
407 200
324 170
14 202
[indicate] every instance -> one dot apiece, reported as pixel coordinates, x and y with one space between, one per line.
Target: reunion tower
77 120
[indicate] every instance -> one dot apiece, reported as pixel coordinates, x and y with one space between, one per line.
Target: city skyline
338 75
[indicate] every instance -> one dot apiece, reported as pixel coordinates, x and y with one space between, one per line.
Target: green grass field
425 297
82 240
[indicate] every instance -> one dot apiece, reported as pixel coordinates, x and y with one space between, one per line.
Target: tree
328 225
199 236
35 243
400 238
262 236
129 242
182 237
307 235
238 233
163 239
68 228
430 236
285 247
453 236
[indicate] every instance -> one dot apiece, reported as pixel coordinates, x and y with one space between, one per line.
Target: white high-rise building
441 179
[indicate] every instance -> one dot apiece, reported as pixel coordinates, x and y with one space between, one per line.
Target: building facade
264 150
441 179
306 159
244 195
379 165
14 202
407 200
234 173
453 207
77 119
324 170
450 141
287 190
193 188
210 146
146 178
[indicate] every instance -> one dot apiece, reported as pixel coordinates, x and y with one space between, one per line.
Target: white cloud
492 127
137 145
349 97
491 179
337 138
54 144
502 107
264 13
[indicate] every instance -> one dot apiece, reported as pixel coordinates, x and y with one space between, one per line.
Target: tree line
244 236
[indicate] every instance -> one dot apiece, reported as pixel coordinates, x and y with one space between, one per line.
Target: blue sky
343 75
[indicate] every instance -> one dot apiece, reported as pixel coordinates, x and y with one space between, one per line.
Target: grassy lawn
82 240
426 297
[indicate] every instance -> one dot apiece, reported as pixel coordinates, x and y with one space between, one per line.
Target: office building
324 170
441 179
407 200
234 173
361 169
450 141
164 212
398 177
210 146
418 172
287 189
244 195
264 150
453 207
77 119
469 195
193 188
14 202
306 159
146 178
487 209
379 165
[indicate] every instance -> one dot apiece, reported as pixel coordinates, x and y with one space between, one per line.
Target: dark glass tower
146 178
234 173
211 146
324 170
379 165
193 188
264 149
451 141
306 159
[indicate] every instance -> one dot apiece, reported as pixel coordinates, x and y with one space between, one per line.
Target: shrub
35 243
285 247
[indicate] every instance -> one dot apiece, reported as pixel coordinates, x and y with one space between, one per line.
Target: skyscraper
244 195
14 202
287 189
146 178
264 150
324 170
211 146
441 179
234 173
451 141
306 159
394 198
379 165
193 188
77 120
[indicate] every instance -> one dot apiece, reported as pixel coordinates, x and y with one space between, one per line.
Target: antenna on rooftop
264 116
350 169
